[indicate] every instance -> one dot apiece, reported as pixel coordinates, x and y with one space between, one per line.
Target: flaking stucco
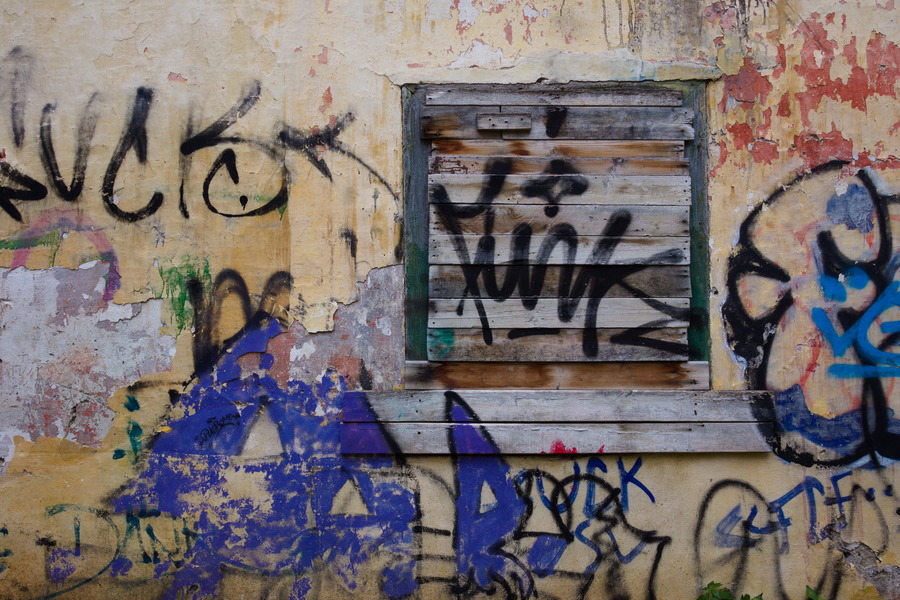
139 322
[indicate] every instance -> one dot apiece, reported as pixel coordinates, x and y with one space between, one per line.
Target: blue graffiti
734 529
189 468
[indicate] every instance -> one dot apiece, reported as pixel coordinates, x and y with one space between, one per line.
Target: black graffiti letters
85 135
135 136
27 189
589 281
233 150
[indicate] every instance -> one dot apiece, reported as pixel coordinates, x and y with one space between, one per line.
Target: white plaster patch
481 55
438 9
116 312
304 351
384 325
63 353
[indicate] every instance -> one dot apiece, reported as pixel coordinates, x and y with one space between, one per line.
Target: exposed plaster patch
562 67
482 56
866 562
64 350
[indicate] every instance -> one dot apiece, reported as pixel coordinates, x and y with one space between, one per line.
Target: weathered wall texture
132 130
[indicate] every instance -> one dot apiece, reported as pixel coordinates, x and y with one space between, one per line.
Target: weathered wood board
474 165
553 122
597 189
579 406
553 95
423 375
611 312
549 345
548 149
650 220
544 438
448 281
443 249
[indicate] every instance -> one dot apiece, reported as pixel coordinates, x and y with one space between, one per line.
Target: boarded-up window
558 231
556 275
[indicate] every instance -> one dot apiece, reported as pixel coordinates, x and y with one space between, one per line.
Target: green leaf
811 594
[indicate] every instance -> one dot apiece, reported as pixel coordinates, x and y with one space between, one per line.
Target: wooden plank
552 122
475 165
422 375
551 438
607 123
578 406
553 94
561 148
503 122
587 219
415 224
611 312
628 251
562 345
448 281
598 189
451 122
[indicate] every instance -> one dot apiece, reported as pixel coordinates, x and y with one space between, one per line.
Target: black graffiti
738 529
752 336
310 145
593 280
21 66
134 136
207 307
29 189
85 135
215 425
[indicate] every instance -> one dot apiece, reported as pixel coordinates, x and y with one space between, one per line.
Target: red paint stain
508 32
414 65
323 55
817 56
817 149
176 77
601 449
813 364
784 106
747 87
764 151
558 447
326 101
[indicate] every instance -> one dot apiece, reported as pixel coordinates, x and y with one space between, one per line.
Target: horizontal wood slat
563 345
503 121
423 375
448 281
578 406
475 165
597 189
628 251
611 312
552 122
553 94
587 219
529 438
548 149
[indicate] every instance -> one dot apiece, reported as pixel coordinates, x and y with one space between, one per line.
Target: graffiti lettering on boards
836 295
17 185
592 280
514 533
739 530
